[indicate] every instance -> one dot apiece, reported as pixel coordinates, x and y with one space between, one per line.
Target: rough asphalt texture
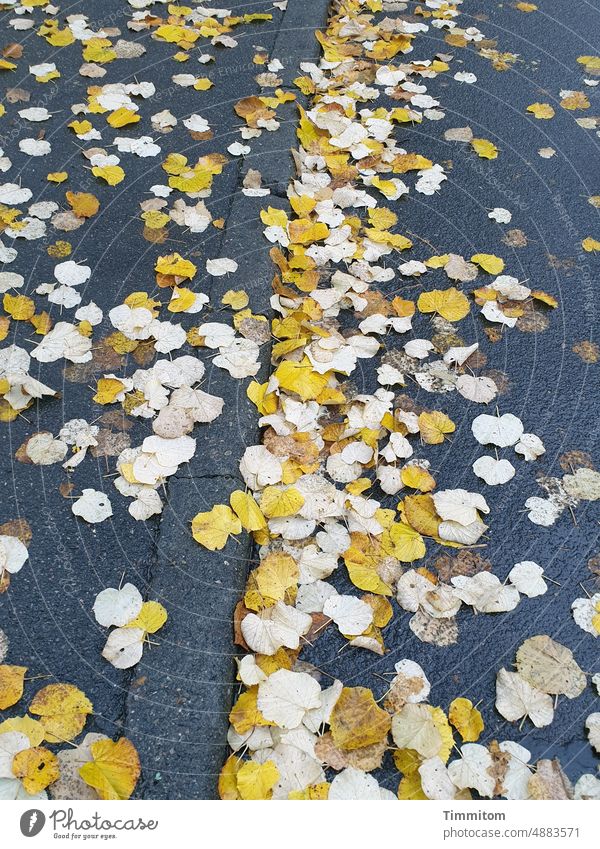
174 704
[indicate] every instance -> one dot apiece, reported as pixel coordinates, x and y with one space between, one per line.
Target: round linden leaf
13 554
124 647
286 696
117 606
353 784
550 667
586 613
493 472
93 506
350 614
480 390
414 728
516 698
497 430
473 770
527 578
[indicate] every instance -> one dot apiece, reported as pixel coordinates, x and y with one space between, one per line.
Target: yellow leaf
227 786
407 761
405 162
57 176
545 298
357 720
438 261
526 7
154 219
449 303
433 426
98 50
277 574
274 217
362 559
11 685
381 218
484 148
576 100
19 307
466 719
62 709
403 542
45 78
121 117
256 781
31 728
151 617
301 379
174 34
490 263
417 478
314 792
111 174
107 390
440 721
543 111
183 299
114 769
80 128
203 84
592 63
265 402
419 511
36 768
212 529
244 715
386 187
236 299
247 511
277 503
382 609
83 204
410 788
175 265
303 231
590 245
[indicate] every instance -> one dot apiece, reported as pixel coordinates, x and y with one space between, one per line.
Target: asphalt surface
174 704
549 387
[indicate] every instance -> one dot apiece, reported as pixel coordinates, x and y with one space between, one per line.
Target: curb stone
178 715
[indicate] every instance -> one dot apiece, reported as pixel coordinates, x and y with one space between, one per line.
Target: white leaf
497 430
219 267
124 647
13 554
458 505
485 592
527 578
350 614
493 472
93 506
117 606
515 698
285 697
277 626
473 770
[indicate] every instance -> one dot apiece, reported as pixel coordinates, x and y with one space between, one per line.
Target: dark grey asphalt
176 710
551 389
